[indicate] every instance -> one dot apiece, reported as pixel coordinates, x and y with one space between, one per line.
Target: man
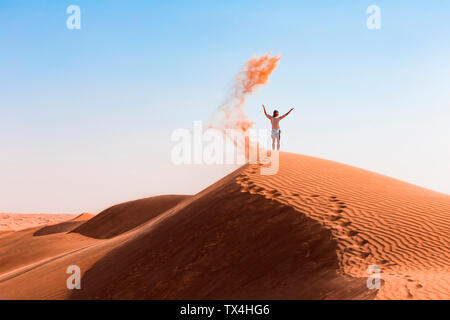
275 120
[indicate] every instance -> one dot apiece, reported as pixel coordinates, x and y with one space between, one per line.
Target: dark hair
275 111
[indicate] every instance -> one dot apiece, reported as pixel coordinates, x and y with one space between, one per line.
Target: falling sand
255 74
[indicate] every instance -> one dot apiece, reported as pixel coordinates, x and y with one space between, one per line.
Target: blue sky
86 115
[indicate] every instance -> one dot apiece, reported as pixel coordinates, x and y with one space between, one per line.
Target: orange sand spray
231 114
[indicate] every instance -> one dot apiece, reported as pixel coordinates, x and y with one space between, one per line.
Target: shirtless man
275 120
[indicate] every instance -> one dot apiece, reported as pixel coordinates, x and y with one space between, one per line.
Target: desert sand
15 221
308 232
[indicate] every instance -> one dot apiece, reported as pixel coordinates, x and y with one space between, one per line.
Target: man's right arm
268 117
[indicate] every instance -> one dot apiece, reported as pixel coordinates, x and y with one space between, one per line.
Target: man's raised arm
286 114
268 117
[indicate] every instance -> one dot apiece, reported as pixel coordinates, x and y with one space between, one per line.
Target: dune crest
83 216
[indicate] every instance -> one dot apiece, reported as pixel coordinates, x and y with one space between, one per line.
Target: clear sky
86 115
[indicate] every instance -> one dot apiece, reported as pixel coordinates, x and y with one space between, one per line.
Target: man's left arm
287 113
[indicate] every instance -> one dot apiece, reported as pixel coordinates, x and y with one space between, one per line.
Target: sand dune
308 232
126 216
65 226
376 220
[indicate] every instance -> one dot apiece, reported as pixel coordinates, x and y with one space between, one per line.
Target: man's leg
278 143
273 143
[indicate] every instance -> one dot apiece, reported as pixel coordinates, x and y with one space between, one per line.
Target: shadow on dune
58 228
123 217
225 245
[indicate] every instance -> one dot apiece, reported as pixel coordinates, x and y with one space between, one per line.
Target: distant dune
308 232
16 221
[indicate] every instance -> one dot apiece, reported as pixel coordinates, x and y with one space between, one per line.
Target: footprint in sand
345 223
363 242
352 233
335 218
273 195
364 254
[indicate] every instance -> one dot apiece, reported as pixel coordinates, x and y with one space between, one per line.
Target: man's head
275 113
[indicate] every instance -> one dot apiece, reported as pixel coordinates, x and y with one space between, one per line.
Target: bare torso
275 122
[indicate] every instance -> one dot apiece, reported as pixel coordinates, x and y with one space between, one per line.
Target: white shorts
276 133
